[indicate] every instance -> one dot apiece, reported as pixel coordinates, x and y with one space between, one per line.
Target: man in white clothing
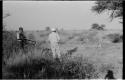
54 40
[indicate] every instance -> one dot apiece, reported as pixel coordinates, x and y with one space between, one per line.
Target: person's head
53 30
110 72
20 29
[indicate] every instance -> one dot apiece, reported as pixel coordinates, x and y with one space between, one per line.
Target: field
92 47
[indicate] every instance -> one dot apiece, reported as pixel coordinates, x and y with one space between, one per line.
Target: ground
108 56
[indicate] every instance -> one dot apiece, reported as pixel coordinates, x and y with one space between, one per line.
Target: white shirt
18 35
54 37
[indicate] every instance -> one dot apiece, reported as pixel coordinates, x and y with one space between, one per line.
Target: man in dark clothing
109 75
21 37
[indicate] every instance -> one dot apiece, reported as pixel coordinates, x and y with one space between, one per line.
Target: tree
102 27
113 6
96 26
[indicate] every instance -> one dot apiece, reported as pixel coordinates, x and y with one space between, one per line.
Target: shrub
47 28
115 37
70 37
11 46
44 34
96 26
105 67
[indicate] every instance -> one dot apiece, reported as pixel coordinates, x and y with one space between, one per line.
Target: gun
30 40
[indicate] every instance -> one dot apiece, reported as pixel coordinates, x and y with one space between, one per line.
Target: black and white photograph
62 39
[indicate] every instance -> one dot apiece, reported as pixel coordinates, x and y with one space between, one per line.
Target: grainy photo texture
62 40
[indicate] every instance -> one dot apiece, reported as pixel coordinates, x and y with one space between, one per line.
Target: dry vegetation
84 59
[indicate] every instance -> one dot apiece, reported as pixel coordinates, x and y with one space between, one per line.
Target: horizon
61 14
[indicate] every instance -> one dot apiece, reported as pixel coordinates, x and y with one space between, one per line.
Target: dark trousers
21 44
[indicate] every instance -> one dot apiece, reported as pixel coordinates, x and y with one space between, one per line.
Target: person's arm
48 40
58 38
18 36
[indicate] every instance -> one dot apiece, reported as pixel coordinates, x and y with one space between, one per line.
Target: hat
53 29
20 28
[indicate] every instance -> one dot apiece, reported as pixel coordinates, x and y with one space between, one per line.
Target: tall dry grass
38 63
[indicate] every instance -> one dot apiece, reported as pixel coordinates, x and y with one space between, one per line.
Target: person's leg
23 48
21 44
53 50
58 50
58 56
20 47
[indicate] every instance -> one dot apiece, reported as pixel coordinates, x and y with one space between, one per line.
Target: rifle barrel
30 40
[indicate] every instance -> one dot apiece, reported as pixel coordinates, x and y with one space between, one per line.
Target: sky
70 15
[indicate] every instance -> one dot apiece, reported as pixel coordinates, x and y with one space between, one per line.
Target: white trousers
55 50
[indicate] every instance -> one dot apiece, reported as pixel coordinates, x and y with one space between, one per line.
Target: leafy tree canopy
96 26
114 6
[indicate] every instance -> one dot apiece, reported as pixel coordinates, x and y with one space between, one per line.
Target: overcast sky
36 15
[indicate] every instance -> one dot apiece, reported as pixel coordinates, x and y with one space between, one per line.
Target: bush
96 26
70 37
10 45
47 28
115 38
